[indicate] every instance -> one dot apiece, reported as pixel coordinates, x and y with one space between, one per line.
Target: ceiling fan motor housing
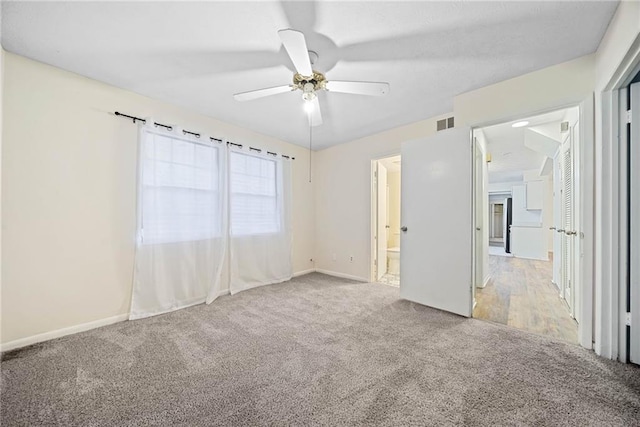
317 80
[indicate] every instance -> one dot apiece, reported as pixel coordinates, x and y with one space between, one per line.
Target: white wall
540 91
547 204
614 61
343 197
394 183
617 42
502 187
68 211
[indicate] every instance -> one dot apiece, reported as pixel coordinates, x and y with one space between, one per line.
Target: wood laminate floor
520 294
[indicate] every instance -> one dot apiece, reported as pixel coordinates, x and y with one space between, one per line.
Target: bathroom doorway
386 190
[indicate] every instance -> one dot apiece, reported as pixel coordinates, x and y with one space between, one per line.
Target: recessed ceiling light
520 124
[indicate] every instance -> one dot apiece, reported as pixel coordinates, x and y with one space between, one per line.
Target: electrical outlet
351 258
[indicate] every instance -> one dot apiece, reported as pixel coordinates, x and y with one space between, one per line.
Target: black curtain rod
197 135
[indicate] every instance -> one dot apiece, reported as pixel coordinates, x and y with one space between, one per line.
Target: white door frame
374 212
610 339
586 207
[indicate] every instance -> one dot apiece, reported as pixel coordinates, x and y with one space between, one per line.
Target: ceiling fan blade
315 116
261 93
296 46
358 88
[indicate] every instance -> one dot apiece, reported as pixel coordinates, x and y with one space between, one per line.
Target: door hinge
627 319
629 116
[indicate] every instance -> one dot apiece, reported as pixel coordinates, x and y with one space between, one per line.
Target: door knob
478 228
560 230
570 233
552 228
403 228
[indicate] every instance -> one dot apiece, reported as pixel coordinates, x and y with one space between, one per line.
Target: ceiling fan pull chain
310 130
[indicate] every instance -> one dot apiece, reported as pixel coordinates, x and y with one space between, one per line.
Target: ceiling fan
310 81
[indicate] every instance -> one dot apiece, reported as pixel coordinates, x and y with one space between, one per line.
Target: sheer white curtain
182 222
260 219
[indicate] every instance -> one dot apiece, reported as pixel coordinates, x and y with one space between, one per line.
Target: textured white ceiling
198 54
509 156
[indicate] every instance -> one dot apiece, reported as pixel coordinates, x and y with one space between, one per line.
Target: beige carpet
314 351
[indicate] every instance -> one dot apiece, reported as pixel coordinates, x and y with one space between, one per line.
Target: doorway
497 220
532 246
386 189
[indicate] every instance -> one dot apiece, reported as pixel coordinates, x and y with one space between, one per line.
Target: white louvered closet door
567 224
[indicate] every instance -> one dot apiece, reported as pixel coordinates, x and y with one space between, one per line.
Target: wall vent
444 124
564 127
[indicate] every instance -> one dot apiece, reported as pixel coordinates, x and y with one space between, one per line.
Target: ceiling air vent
564 126
444 124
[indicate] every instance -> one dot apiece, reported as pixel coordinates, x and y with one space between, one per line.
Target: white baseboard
485 283
342 275
46 336
303 272
34 339
532 258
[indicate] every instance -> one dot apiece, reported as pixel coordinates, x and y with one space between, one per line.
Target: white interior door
437 221
574 235
381 227
478 197
557 223
634 216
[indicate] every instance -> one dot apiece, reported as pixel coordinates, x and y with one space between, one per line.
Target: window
255 207
180 190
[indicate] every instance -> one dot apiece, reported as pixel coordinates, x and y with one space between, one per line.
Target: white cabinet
535 195
528 242
520 214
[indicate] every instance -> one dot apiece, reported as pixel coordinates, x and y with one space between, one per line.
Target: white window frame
277 196
148 238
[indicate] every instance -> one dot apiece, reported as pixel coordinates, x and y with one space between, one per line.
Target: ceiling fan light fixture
308 106
309 96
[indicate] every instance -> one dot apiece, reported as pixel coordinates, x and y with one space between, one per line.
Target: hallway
520 294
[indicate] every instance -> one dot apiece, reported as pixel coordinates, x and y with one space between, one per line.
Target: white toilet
393 260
